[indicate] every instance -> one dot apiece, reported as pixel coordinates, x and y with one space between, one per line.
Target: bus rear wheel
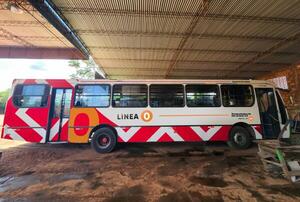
104 140
239 138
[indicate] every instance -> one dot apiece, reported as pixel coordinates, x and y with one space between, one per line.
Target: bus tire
239 138
104 140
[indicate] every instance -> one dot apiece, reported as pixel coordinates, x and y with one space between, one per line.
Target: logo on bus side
145 116
243 116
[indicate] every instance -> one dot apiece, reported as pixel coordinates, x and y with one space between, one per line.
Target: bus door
268 112
59 115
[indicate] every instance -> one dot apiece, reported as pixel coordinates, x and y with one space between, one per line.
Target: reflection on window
92 95
237 95
35 95
67 104
57 102
130 95
202 96
166 95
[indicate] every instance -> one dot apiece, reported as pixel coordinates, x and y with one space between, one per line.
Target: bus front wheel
103 140
239 138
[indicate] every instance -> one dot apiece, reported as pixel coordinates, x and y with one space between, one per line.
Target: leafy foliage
3 98
84 69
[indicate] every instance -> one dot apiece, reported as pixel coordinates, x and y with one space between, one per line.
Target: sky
32 69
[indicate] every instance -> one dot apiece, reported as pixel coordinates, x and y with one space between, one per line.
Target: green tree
84 69
3 98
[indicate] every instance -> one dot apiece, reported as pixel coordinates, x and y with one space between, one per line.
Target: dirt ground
137 172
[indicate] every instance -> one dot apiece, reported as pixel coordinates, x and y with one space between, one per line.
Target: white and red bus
107 112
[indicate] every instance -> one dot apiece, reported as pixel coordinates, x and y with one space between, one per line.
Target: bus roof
249 81
156 81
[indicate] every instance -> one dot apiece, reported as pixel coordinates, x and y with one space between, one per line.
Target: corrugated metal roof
187 38
27 32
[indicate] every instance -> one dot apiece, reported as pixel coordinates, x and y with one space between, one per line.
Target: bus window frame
252 90
47 87
277 93
167 84
90 84
218 91
130 84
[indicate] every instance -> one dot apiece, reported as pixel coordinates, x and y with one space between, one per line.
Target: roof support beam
40 53
49 11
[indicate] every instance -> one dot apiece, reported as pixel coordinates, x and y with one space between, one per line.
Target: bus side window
166 95
203 95
35 95
130 95
92 95
281 108
237 95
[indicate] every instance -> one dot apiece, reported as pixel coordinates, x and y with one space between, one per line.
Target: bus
107 112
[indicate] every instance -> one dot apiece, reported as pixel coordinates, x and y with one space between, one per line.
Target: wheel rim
103 141
239 138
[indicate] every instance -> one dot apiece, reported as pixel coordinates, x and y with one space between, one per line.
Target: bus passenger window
167 95
35 95
203 96
92 95
237 95
130 95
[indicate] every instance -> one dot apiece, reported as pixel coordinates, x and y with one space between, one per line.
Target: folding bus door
59 115
268 112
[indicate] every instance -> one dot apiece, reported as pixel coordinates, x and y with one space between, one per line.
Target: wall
293 78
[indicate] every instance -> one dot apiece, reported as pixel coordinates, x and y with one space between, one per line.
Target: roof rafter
40 53
22 23
124 12
268 52
212 51
202 10
209 77
180 70
190 61
15 38
179 35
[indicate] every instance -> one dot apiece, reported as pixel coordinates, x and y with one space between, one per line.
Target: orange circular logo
146 116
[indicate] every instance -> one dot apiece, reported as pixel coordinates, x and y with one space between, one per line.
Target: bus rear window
92 95
237 95
31 95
